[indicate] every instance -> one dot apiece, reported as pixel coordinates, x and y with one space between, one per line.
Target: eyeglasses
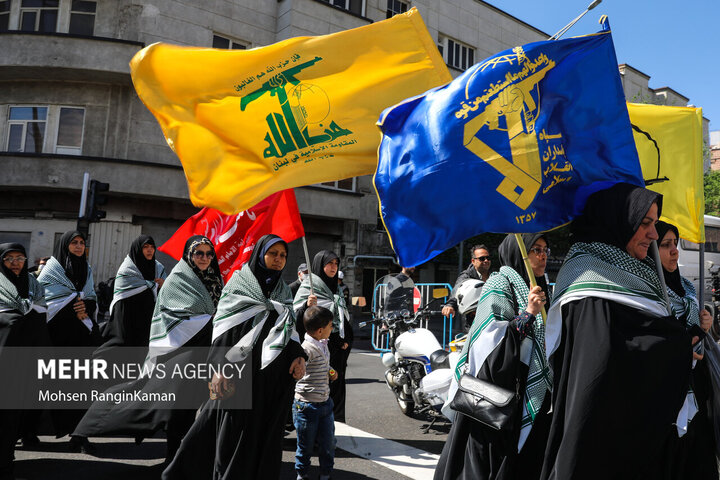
14 259
482 259
201 254
540 251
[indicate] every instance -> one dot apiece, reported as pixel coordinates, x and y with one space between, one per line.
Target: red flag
234 236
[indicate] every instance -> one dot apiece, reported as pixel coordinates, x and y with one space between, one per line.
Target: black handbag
493 406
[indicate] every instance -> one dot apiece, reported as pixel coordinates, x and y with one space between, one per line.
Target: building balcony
64 57
130 178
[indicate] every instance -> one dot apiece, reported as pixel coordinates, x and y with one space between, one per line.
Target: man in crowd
479 269
301 272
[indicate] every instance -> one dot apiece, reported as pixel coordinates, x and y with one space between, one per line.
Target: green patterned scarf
334 302
504 296
129 281
242 300
603 271
59 289
11 300
183 308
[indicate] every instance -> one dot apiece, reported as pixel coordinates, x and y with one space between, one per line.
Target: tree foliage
712 192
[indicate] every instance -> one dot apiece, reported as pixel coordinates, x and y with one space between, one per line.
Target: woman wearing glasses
182 318
505 347
621 363
326 293
22 324
134 293
72 306
692 450
254 317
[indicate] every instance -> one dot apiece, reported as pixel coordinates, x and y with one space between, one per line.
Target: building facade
67 106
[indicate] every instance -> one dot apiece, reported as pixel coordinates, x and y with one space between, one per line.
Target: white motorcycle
419 370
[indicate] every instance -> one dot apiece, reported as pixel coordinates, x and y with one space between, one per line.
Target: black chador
229 443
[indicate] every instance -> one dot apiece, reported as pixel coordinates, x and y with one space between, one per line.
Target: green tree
712 192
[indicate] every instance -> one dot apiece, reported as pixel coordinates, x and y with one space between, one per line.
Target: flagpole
661 275
307 262
528 268
567 27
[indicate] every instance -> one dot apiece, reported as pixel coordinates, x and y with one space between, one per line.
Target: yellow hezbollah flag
248 123
674 167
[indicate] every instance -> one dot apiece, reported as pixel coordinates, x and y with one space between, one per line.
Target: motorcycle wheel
407 407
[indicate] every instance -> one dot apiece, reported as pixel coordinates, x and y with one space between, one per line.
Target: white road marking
404 459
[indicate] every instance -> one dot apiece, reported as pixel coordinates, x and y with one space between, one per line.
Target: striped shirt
314 387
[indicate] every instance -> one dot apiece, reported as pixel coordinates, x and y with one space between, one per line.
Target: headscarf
19 281
672 279
322 258
326 291
146 267
266 277
211 276
510 256
76 268
245 300
613 215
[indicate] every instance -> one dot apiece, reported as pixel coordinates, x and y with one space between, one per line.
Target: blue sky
676 43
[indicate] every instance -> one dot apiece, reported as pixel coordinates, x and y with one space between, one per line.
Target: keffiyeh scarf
59 290
504 296
183 308
129 281
243 301
334 302
11 300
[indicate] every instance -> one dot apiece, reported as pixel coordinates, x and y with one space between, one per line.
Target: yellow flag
248 123
674 167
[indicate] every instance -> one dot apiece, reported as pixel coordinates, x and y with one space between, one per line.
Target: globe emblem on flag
310 101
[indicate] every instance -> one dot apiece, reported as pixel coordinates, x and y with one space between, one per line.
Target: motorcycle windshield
397 294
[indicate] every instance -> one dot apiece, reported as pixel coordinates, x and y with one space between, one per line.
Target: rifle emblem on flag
306 104
512 107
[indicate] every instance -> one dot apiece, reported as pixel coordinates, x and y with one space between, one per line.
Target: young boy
313 407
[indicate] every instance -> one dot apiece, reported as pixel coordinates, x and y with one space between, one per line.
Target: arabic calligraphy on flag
248 123
505 147
235 236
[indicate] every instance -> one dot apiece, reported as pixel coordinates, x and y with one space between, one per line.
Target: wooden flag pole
528 269
307 262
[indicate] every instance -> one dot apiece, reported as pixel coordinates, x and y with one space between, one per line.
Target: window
354 6
26 132
712 241
4 15
70 131
28 127
223 42
395 7
456 54
39 15
347 185
82 17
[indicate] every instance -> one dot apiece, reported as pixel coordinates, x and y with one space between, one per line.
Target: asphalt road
377 441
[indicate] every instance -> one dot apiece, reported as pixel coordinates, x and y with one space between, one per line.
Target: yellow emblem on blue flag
505 147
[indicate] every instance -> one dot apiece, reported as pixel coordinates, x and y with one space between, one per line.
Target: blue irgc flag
504 147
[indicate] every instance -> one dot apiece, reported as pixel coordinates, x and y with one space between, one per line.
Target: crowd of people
608 365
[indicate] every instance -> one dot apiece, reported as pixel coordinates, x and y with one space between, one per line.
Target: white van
690 254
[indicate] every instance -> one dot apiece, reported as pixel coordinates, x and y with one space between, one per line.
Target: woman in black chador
691 451
22 324
181 324
505 347
621 362
326 293
255 318
72 306
134 294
